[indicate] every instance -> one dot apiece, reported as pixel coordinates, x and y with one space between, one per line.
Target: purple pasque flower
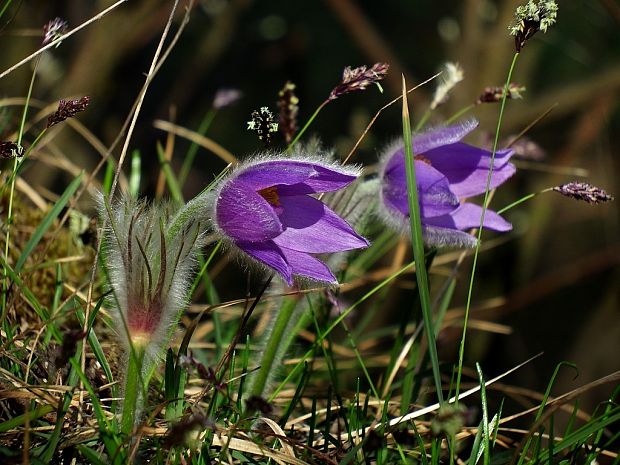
447 171
266 210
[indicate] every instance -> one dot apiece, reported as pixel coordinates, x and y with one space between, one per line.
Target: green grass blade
135 175
171 180
90 455
599 435
543 403
271 352
58 290
486 443
581 435
210 291
417 243
93 341
4 7
193 149
49 449
108 177
112 441
476 448
40 310
421 445
169 380
335 323
97 409
19 420
47 222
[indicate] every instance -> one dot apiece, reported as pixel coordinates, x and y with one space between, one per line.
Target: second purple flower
447 172
266 210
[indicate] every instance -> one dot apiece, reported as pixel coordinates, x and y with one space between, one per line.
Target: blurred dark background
554 281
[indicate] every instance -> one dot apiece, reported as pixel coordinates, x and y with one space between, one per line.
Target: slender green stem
423 120
193 149
272 347
24 157
523 199
16 164
203 269
418 246
134 387
192 209
460 113
4 8
307 125
484 209
360 360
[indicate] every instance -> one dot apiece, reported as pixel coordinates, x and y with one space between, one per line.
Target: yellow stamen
270 194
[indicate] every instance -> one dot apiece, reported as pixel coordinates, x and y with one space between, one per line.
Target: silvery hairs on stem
149 255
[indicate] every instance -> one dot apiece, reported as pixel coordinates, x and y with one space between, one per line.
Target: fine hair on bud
149 257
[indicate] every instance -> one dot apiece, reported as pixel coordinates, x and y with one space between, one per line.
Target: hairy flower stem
307 125
273 349
484 208
191 209
134 384
417 243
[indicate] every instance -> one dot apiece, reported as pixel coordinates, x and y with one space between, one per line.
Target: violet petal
467 167
434 192
244 215
307 266
476 182
467 216
310 226
437 137
269 254
305 176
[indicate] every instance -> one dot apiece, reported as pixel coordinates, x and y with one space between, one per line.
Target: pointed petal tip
306 266
298 176
312 227
499 224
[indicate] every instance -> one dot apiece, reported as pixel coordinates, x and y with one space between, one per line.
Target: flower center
270 194
422 158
